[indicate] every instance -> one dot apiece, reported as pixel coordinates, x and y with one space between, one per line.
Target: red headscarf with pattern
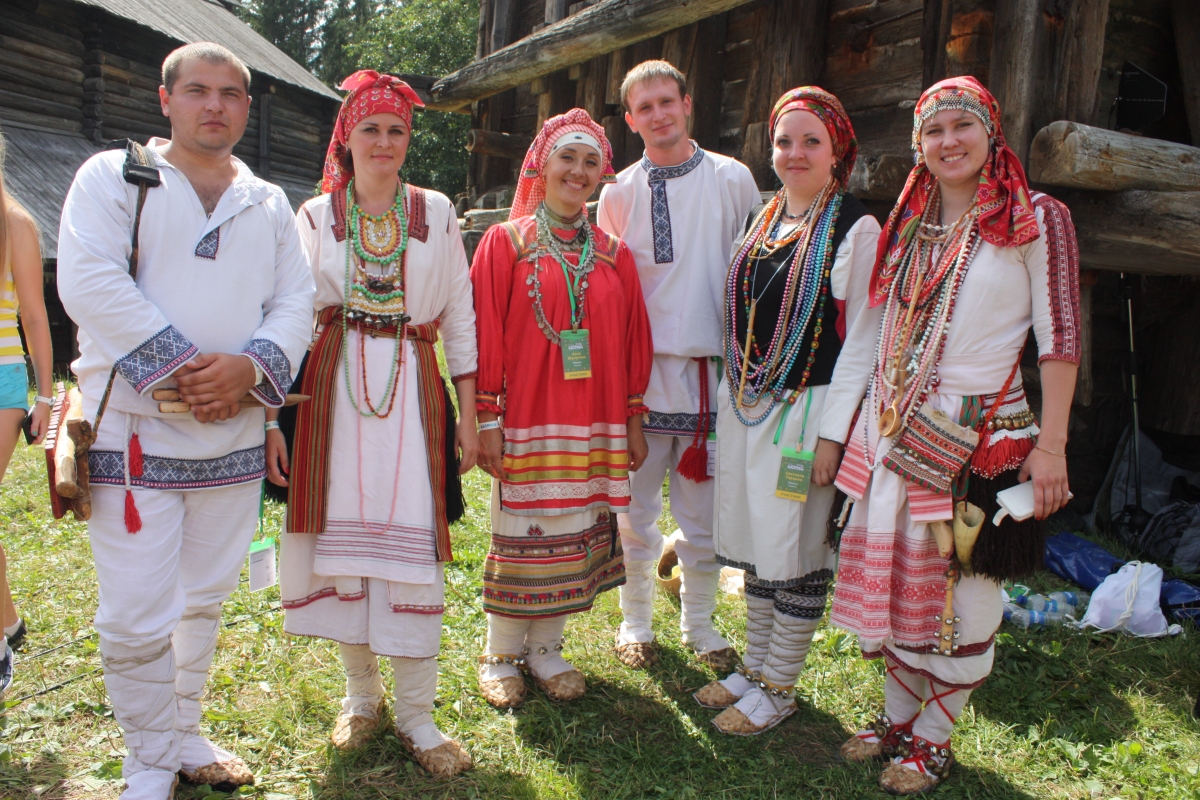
828 109
531 188
369 93
1005 213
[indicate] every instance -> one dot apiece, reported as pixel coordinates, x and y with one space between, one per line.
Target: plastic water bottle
1037 602
1065 599
1024 618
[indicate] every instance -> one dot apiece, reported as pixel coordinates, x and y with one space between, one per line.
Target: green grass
1064 715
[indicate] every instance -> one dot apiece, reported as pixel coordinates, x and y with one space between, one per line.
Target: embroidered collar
678 171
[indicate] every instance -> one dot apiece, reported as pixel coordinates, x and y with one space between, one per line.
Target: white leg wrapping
544 646
791 638
150 784
760 616
936 722
506 636
194 642
698 599
364 681
903 693
416 689
637 602
141 687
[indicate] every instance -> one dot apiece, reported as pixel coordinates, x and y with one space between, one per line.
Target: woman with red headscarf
795 309
362 558
564 357
968 262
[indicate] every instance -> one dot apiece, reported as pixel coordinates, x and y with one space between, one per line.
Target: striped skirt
549 566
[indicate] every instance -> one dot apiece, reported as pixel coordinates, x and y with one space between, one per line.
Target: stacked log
41 72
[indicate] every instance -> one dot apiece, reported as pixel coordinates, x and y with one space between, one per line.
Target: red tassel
133 520
693 464
993 457
136 463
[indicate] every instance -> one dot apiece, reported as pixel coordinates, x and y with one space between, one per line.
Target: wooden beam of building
494 143
595 31
1155 233
1082 157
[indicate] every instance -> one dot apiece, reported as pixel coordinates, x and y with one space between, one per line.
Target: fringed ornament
133 520
693 464
994 456
136 461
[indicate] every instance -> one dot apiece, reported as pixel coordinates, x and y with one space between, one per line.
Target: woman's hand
826 462
1050 487
40 423
466 439
639 449
491 452
277 458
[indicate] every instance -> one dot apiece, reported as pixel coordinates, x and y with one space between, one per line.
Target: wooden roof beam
597 30
1077 156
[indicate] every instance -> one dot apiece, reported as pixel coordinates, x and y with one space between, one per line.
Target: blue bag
1077 560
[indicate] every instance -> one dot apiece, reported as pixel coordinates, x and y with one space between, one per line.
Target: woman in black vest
796 309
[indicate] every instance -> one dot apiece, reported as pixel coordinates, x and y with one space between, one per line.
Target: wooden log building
1055 67
76 74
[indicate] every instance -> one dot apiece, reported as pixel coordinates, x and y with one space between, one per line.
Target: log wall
68 69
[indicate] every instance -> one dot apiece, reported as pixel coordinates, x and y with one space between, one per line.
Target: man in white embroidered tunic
219 306
678 210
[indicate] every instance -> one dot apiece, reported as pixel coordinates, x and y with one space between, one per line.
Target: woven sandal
222 776
637 655
898 779
352 731
563 687
860 750
442 762
715 695
723 660
735 723
506 692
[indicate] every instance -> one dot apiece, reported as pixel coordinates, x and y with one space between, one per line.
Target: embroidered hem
682 424
159 472
883 652
155 358
277 371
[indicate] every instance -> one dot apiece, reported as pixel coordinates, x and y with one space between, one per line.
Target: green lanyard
804 423
573 285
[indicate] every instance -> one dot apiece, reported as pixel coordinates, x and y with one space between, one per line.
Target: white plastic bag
1127 601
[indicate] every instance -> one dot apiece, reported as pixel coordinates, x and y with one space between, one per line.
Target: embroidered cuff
1060 354
463 377
636 406
277 371
155 358
486 401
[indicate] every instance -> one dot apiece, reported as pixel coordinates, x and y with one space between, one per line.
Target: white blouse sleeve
458 316
850 281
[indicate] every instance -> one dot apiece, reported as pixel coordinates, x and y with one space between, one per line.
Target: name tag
712 455
262 565
795 473
577 358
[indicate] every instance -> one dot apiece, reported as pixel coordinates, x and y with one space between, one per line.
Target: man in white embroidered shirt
679 210
220 306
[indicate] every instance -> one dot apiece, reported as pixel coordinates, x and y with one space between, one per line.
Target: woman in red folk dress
969 261
564 357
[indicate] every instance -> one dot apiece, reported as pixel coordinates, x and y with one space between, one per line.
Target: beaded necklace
917 314
550 243
760 374
377 301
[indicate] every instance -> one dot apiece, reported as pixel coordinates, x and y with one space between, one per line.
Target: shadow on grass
40 777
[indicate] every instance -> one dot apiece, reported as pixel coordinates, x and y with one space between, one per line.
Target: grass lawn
1064 714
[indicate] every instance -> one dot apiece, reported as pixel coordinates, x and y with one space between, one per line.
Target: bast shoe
352 731
442 762
637 655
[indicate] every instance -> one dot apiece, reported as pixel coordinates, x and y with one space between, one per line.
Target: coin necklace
576 276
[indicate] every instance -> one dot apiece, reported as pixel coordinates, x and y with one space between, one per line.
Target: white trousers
691 505
161 591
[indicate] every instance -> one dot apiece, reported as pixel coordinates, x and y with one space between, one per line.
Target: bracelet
1051 452
494 425
40 399
272 425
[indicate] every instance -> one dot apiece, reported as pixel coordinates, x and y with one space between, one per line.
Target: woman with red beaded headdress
564 356
362 560
968 262
795 308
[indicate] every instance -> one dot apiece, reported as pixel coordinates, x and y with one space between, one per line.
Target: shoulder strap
518 239
139 170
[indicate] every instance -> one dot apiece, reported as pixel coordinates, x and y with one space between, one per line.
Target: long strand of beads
548 245
395 361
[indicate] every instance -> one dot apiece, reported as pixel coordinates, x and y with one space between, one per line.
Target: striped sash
308 494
